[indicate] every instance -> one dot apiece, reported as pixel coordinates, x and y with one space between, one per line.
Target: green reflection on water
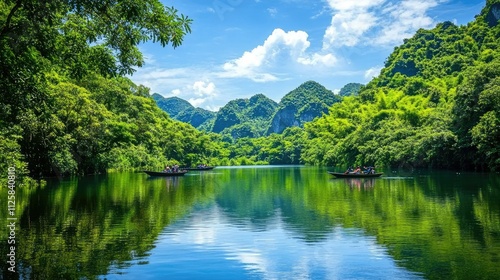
442 225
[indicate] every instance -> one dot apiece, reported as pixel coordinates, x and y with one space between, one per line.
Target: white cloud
176 92
350 5
203 88
197 102
199 93
404 19
161 80
179 82
372 72
272 12
317 59
351 20
165 73
213 108
347 29
379 22
253 64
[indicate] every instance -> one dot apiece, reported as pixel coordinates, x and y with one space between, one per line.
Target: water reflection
170 182
259 223
360 183
245 254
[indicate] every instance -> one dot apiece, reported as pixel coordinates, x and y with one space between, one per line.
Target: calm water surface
267 222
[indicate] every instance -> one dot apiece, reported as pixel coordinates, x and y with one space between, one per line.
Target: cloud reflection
275 253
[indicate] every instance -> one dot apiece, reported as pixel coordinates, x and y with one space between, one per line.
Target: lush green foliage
181 110
109 123
350 89
238 118
284 148
245 117
172 105
435 104
65 109
301 105
258 115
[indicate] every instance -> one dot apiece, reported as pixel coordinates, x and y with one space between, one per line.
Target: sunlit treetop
116 26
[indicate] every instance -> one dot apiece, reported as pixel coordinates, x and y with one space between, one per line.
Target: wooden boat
165 174
353 175
199 168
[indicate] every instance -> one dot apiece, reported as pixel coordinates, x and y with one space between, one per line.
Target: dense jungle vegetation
66 107
435 104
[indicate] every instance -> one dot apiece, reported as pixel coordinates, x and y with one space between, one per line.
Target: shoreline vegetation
68 109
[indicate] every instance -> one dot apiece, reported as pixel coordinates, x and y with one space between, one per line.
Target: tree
76 39
117 25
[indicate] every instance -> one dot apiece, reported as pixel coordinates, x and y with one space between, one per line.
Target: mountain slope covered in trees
301 105
435 104
245 117
350 89
258 115
183 111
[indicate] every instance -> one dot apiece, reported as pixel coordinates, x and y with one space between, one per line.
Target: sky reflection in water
205 245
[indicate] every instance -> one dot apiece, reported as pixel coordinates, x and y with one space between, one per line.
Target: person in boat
167 169
357 170
349 170
369 170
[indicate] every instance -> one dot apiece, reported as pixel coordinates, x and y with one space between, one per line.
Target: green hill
301 105
350 89
436 103
245 117
258 115
183 111
172 105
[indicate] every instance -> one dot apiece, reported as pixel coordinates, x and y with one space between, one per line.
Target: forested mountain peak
261 98
258 115
172 105
350 89
182 110
309 89
301 105
245 117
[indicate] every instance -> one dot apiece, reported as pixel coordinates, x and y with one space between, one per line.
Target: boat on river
201 168
165 174
355 175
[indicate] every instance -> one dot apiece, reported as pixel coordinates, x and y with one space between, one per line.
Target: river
257 222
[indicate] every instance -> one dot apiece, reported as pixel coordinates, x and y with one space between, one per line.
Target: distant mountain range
259 115
183 111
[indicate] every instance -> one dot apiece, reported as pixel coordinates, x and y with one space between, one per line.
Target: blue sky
239 48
